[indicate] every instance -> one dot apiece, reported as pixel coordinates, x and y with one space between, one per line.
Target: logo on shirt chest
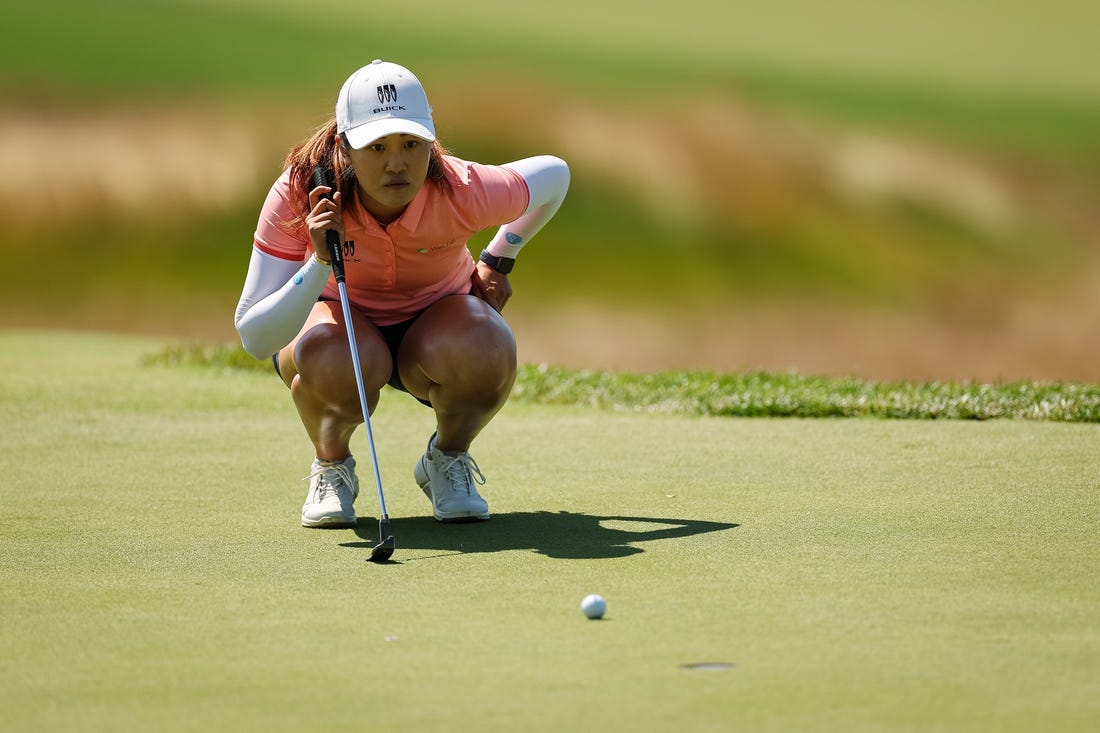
437 247
348 251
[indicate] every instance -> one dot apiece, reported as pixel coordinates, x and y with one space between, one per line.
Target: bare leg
461 356
318 369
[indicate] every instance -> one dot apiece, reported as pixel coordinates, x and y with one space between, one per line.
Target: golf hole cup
594 606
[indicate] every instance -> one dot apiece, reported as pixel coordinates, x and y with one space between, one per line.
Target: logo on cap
387 93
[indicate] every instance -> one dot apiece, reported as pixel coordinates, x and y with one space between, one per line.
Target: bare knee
322 357
485 350
464 346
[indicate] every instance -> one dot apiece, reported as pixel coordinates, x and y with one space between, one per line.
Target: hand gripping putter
384 549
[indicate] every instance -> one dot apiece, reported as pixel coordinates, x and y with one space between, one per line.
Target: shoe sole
329 522
460 518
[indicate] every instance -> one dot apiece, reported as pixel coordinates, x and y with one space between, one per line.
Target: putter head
383 551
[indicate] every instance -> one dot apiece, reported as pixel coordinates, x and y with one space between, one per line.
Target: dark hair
322 149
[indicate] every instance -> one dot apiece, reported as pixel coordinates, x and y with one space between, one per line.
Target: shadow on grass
563 535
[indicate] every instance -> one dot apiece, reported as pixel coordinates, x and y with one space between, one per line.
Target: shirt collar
410 218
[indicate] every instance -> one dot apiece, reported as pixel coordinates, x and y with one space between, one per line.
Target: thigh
459 338
321 349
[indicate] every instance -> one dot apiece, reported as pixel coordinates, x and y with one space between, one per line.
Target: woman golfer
426 317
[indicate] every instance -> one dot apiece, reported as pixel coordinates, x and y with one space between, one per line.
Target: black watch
503 265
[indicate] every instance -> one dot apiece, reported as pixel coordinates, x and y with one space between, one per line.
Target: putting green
845 574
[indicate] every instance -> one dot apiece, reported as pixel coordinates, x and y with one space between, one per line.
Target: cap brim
364 135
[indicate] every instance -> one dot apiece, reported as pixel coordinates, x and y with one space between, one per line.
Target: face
391 171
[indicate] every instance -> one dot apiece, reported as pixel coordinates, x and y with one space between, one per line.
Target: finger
478 287
316 195
324 198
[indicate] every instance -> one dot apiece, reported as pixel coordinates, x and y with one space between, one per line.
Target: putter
384 549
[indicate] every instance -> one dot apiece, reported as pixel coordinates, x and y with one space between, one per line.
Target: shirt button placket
390 265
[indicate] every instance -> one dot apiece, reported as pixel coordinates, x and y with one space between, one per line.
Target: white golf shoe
333 488
449 481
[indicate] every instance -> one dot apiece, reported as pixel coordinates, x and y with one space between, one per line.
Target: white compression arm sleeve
547 181
277 298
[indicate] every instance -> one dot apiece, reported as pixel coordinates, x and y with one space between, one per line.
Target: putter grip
332 237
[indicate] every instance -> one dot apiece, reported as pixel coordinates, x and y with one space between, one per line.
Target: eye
410 144
377 147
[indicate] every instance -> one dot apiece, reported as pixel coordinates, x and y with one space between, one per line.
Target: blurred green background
858 188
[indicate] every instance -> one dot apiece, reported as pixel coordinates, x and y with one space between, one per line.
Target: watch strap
503 265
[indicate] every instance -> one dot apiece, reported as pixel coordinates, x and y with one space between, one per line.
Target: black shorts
393 335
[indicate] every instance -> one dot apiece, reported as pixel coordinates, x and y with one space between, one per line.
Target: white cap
383 99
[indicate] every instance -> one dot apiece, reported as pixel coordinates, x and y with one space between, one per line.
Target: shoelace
326 485
463 470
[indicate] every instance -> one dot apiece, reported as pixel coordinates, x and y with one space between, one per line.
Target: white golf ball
594 606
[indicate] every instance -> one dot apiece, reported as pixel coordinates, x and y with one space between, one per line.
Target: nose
395 161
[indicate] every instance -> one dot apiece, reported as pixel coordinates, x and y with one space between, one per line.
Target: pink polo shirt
394 272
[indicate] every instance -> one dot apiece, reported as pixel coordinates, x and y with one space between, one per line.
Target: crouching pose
426 317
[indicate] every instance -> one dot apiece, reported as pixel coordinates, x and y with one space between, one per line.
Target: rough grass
757 394
762 394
